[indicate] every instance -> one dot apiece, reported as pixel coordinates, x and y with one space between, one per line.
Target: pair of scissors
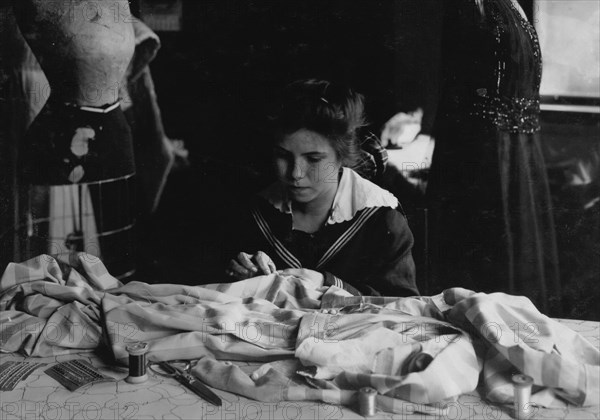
183 376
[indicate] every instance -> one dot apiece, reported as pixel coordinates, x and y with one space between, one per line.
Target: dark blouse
370 254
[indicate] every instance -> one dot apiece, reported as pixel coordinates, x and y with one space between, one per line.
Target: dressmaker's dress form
492 225
76 160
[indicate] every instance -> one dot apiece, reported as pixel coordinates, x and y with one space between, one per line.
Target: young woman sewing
321 216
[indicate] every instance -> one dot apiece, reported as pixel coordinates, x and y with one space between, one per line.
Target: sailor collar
353 194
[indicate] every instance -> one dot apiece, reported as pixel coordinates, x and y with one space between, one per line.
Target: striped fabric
519 338
310 343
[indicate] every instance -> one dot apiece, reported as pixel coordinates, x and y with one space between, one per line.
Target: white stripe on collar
354 193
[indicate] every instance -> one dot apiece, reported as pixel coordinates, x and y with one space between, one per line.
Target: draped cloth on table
425 350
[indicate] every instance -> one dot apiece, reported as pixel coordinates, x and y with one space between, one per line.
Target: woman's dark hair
334 111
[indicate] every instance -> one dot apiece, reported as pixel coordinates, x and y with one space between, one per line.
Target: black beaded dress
491 227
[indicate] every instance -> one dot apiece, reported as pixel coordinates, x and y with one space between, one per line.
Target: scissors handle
192 383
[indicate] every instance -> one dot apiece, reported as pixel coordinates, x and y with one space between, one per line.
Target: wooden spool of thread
366 401
137 363
522 384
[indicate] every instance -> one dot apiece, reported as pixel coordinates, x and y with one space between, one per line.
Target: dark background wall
217 77
232 56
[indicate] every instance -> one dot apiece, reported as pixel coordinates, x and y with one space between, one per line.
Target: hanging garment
492 224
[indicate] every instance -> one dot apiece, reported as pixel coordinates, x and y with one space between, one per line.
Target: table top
41 397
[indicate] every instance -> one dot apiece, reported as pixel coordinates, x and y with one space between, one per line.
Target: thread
366 401
522 385
137 363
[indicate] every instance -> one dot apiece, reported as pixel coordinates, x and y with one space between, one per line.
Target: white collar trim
353 194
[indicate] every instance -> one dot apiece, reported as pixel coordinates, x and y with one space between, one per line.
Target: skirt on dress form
77 187
491 214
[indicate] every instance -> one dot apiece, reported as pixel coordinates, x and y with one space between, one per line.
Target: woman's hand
245 265
315 278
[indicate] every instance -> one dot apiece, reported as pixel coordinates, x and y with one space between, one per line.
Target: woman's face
307 165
